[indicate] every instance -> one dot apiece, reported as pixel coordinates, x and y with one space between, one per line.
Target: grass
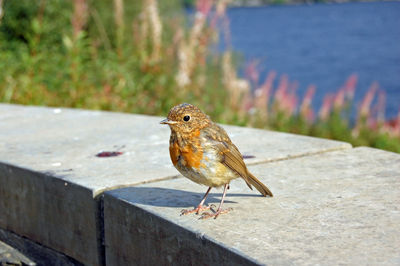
146 56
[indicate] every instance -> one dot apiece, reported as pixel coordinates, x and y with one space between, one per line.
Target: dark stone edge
148 225
40 254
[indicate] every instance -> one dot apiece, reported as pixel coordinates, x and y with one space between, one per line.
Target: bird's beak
168 122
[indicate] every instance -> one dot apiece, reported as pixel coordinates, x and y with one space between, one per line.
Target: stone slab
11 256
26 252
268 146
50 176
57 214
64 142
335 208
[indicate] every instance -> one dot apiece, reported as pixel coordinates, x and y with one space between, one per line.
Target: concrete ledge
11 256
26 252
335 208
51 181
50 176
50 211
154 240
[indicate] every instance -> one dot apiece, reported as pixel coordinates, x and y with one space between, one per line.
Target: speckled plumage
203 152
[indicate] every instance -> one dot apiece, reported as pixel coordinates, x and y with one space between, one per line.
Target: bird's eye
186 118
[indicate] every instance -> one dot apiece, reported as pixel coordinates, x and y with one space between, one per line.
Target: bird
202 151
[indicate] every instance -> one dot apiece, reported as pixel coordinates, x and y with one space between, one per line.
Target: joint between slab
307 154
100 192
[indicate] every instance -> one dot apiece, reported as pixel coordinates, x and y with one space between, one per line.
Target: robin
202 151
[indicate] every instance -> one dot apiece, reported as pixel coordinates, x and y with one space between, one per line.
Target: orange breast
188 156
174 152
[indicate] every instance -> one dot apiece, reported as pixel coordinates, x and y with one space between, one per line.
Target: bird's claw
215 214
196 210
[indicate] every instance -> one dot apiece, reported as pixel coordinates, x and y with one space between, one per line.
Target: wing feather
230 155
232 158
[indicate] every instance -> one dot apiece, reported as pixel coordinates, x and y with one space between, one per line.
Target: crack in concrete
156 180
99 192
307 154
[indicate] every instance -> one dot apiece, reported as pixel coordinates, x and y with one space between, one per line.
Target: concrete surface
64 142
26 252
337 208
48 163
11 256
50 211
51 184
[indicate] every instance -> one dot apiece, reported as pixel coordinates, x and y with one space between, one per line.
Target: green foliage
57 53
43 63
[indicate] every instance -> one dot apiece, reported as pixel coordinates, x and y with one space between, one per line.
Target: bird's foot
215 214
197 210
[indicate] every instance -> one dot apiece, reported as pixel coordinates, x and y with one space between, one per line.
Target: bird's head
186 118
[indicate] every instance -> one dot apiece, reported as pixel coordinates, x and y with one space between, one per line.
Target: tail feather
259 186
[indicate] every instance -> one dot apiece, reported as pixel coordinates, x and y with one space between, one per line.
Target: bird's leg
219 210
200 207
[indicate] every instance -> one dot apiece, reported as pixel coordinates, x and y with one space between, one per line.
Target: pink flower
326 107
306 110
262 93
393 126
204 6
252 73
338 102
285 97
380 106
350 86
282 88
366 103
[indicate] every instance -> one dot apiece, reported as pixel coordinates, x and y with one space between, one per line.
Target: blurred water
323 44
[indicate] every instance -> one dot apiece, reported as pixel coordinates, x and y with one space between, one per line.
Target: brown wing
230 155
232 158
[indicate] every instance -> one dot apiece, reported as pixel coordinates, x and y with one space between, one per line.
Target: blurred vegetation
252 3
146 56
